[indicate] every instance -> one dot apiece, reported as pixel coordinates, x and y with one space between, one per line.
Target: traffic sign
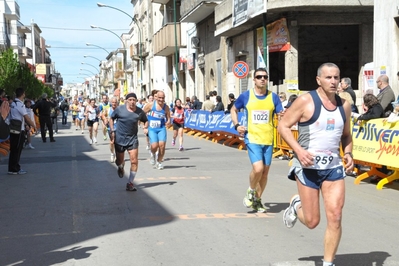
240 69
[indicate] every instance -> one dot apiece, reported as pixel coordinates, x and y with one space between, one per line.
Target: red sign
41 77
240 69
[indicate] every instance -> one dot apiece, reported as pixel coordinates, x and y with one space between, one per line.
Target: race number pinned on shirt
155 124
325 161
260 116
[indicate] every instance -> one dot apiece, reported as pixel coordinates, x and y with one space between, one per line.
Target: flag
125 92
260 62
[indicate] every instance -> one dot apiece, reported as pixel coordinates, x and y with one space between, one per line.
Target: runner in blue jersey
158 115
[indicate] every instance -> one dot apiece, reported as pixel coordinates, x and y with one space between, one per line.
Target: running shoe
148 147
249 198
258 206
130 187
30 146
181 148
20 172
152 159
95 140
82 132
159 166
91 142
105 137
121 171
290 215
112 158
173 142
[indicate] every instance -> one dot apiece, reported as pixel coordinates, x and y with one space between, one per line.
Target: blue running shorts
257 152
157 134
314 178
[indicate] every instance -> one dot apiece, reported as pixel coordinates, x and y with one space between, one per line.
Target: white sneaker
83 132
112 158
159 166
91 142
95 140
290 216
148 147
152 159
30 146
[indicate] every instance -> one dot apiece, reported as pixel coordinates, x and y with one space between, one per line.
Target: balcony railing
12 10
164 40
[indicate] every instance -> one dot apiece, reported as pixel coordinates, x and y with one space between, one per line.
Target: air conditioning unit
195 42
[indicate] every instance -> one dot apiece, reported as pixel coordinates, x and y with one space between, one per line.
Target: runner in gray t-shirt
125 135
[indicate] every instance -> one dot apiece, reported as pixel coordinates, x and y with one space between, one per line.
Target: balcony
164 40
196 11
11 10
26 53
163 2
135 51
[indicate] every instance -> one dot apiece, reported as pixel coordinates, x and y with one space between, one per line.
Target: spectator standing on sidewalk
124 136
208 104
18 112
64 107
232 100
42 109
260 105
28 129
386 95
55 111
323 125
346 85
219 105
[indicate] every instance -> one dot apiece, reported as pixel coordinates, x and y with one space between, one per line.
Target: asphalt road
72 209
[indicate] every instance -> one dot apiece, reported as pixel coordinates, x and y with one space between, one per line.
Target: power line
53 28
70 47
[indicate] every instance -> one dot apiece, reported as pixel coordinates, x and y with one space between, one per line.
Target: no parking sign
240 69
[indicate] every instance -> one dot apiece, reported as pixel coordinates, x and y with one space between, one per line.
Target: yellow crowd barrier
375 144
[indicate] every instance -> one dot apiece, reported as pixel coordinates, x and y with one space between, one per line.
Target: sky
65 25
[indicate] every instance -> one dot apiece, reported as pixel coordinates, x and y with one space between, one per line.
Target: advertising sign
278 37
247 9
376 141
41 69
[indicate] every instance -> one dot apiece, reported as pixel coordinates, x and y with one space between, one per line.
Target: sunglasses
262 76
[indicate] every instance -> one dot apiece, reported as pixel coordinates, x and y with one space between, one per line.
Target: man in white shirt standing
18 112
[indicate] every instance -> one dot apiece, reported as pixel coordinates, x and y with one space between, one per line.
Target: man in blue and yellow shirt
259 106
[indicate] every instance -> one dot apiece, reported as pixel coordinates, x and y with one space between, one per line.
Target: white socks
132 176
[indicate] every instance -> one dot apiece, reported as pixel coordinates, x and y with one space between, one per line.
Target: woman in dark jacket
219 105
372 107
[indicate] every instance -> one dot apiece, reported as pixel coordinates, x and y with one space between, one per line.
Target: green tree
13 74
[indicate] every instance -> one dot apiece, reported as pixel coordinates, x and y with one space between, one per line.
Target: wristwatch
350 154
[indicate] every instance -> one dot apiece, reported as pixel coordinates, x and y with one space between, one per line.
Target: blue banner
216 121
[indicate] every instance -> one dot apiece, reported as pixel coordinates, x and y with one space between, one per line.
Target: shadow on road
374 258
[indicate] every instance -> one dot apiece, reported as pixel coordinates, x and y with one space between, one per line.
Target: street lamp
124 48
90 44
88 71
83 63
140 43
99 77
85 56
